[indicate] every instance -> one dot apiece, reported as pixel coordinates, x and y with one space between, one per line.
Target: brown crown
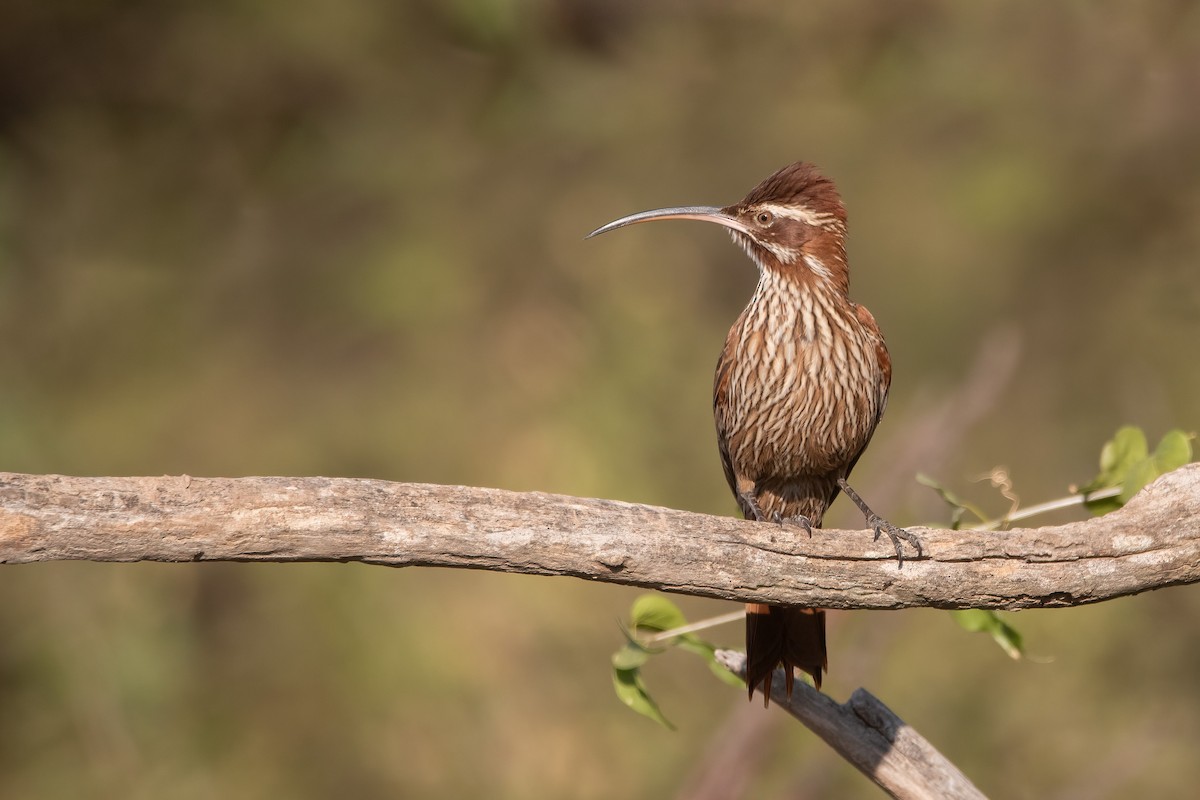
799 184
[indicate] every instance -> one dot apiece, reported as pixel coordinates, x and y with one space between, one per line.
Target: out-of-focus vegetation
345 238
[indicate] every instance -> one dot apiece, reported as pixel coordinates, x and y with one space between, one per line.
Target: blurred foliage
982 620
1127 464
959 505
318 238
655 625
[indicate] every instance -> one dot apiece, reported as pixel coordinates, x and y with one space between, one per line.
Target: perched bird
800 386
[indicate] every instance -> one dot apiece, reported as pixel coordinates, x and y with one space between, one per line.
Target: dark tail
794 637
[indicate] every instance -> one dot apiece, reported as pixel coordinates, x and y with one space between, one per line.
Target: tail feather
794 637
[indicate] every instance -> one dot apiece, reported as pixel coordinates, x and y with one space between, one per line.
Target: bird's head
792 223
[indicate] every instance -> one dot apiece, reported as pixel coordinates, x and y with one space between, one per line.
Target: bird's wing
867 320
721 415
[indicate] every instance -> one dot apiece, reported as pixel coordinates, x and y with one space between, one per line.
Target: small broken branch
1151 543
870 736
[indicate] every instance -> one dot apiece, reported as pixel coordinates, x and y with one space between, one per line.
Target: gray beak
702 213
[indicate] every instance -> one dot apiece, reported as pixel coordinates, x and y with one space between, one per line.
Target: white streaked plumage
779 422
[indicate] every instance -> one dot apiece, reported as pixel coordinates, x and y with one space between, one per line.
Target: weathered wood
1151 543
870 736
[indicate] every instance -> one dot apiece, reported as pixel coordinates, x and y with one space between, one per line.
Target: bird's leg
751 502
799 519
881 525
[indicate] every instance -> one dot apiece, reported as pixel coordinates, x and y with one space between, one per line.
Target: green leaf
1127 448
1102 505
656 613
1138 476
972 619
1118 455
653 613
1174 450
632 692
631 656
1127 464
979 620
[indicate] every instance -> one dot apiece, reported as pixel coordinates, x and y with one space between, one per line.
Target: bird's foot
882 526
799 519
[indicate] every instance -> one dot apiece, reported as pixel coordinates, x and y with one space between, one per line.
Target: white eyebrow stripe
799 213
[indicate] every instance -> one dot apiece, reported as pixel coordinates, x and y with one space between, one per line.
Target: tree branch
1151 543
870 736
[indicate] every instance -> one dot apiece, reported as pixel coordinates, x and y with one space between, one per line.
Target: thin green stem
1045 508
711 622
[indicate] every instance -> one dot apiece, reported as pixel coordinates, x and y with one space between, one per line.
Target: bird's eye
764 218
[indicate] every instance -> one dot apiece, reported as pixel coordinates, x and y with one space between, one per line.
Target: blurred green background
346 239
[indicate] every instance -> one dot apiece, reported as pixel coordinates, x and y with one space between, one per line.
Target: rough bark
1151 543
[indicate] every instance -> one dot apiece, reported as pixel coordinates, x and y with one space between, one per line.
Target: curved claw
799 519
882 526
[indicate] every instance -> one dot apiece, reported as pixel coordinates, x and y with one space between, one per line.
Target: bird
800 386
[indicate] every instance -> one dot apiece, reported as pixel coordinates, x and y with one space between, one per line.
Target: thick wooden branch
870 736
1151 543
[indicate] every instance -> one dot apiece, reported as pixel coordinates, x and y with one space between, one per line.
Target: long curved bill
702 213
